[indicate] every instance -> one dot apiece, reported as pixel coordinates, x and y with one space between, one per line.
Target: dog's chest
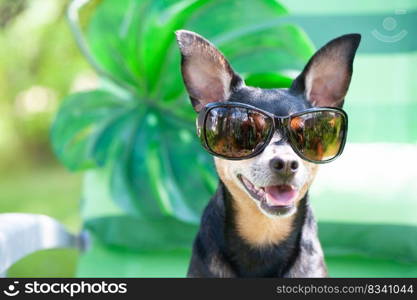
267 261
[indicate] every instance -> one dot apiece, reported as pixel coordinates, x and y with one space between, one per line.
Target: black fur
218 249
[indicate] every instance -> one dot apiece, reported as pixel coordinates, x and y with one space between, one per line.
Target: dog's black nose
284 167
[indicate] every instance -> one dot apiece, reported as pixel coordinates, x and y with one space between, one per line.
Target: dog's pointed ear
326 77
207 74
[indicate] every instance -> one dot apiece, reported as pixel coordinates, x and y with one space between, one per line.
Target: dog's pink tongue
280 195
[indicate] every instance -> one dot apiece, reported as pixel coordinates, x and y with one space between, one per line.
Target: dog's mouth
274 199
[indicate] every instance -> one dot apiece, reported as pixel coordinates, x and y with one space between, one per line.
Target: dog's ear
207 75
326 77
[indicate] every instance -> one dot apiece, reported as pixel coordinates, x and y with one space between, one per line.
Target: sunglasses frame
278 122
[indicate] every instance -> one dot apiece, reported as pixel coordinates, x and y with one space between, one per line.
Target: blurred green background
39 65
139 99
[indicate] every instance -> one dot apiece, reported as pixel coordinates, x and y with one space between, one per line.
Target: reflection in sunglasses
318 135
238 132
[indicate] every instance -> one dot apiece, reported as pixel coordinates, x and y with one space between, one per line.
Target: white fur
257 170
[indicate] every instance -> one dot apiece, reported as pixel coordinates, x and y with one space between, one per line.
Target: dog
241 235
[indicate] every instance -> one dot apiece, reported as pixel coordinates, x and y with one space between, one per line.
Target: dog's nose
284 167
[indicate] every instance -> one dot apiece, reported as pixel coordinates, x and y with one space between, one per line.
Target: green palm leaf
142 136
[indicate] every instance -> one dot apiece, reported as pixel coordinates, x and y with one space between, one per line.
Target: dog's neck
253 226
257 241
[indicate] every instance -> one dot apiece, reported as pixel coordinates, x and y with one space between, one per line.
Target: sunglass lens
236 132
318 136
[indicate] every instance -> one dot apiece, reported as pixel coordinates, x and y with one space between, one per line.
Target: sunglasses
239 131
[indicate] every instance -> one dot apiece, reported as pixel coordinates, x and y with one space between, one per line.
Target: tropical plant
136 132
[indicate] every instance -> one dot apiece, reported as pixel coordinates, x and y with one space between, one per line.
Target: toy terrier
267 145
